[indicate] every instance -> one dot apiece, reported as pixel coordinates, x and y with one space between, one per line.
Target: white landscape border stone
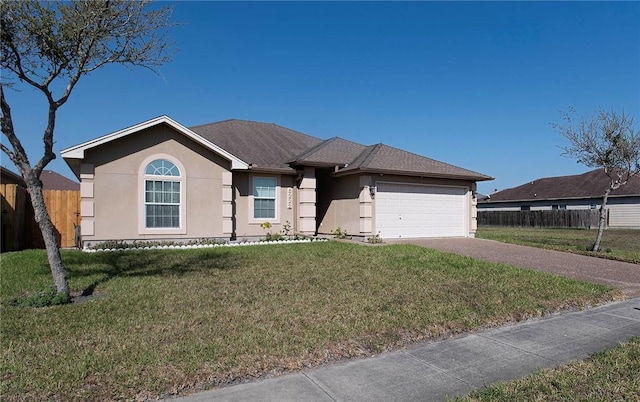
195 246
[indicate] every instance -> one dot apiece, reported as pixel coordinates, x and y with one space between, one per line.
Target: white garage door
410 211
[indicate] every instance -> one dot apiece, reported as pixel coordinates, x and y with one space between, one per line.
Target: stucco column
473 227
227 204
366 206
87 202
307 203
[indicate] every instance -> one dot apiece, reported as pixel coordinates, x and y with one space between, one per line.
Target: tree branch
18 156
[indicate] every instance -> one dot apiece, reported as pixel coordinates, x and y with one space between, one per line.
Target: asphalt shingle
586 185
269 146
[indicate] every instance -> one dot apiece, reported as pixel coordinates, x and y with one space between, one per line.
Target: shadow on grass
110 265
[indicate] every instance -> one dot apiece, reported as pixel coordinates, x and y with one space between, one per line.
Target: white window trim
142 177
276 218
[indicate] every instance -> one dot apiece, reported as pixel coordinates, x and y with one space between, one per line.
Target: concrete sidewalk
440 370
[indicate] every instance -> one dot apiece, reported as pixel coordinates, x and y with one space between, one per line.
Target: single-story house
582 191
161 180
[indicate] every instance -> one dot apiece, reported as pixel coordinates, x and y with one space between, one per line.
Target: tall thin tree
608 140
51 45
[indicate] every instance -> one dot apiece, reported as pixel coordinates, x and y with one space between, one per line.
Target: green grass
611 375
163 322
618 244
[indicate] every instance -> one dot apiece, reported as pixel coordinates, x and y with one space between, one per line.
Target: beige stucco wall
113 184
286 201
338 204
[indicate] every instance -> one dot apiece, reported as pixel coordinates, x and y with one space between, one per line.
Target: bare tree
50 46
609 141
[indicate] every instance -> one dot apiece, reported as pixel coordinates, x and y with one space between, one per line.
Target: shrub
375 239
340 233
48 296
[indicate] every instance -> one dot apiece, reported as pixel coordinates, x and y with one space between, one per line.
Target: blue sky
474 84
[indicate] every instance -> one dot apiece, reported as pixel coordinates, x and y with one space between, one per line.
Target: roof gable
77 152
586 185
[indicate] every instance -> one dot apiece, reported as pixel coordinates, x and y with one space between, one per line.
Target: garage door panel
405 211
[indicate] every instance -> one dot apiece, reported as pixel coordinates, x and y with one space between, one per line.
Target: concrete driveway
622 275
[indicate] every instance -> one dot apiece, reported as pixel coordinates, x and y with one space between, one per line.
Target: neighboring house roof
50 180
8 177
55 181
586 185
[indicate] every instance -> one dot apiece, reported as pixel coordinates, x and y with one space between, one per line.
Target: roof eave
315 164
274 170
350 171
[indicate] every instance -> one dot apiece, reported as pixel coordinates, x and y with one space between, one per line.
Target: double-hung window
162 195
264 197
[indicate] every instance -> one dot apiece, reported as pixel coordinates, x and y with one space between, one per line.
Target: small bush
376 239
340 233
286 229
48 296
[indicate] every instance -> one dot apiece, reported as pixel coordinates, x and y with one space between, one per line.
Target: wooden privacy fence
16 211
19 228
562 218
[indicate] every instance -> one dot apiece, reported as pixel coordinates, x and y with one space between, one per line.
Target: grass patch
171 320
611 375
619 244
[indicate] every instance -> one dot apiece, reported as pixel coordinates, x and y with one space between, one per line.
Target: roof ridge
370 154
314 148
568 175
225 121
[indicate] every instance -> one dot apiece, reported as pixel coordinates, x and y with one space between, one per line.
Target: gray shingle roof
586 185
334 151
383 158
265 145
269 146
55 181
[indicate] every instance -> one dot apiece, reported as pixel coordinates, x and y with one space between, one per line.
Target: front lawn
611 375
170 321
620 244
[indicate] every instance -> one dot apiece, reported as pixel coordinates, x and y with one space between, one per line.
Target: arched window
162 195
